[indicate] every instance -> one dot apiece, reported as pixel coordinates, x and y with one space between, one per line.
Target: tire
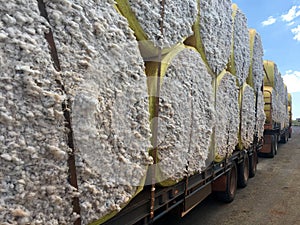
253 164
273 147
243 172
284 140
231 186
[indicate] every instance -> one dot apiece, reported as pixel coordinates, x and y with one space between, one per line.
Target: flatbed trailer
221 178
274 132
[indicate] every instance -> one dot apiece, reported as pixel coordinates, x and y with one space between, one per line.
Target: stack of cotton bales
145 18
101 78
239 65
186 113
213 40
274 82
255 79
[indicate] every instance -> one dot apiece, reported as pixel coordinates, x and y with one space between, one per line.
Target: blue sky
278 23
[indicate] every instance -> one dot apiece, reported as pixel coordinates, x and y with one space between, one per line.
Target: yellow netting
269 79
289 100
250 78
268 94
152 68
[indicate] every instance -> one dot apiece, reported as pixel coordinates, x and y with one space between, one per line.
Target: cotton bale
145 18
104 80
247 116
227 116
260 115
256 71
271 105
34 186
213 33
271 77
290 108
186 114
239 62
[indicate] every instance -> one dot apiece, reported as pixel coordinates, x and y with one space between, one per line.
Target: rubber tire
243 172
273 147
231 186
253 164
284 139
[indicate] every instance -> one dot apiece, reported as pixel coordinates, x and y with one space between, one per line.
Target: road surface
272 197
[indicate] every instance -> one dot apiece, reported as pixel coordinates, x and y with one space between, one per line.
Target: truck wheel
243 172
231 185
253 164
284 139
273 147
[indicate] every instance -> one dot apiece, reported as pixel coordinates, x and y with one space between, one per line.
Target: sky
278 23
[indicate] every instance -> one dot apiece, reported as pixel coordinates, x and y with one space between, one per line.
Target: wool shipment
186 114
146 18
240 50
227 115
213 33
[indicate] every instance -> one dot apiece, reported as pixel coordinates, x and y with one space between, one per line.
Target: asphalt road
272 197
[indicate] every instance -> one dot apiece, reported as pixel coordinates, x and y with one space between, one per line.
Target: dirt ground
272 197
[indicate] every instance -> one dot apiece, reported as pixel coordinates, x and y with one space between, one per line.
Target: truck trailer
277 108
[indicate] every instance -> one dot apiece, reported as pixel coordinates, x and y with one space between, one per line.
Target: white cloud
296 32
291 23
293 13
292 80
269 21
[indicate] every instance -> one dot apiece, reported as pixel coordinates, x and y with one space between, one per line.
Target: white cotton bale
186 114
247 111
145 19
240 51
104 79
34 186
271 105
260 115
272 75
213 33
227 116
256 70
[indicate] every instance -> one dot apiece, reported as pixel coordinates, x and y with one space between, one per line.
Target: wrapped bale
256 71
247 116
104 80
271 105
290 108
239 62
227 116
271 77
186 114
34 186
260 115
145 18
213 33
